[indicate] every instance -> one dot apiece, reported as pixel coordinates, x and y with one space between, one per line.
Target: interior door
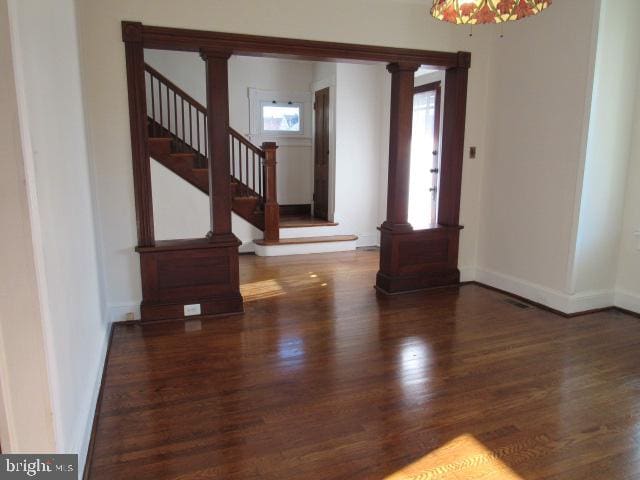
425 157
321 155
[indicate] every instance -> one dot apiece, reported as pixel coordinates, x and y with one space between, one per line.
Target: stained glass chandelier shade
475 12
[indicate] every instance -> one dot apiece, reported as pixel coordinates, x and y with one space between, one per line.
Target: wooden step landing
305 245
304 240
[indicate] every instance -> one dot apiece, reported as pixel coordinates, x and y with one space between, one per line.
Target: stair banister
271 208
174 114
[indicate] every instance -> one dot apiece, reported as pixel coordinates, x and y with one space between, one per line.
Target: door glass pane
423 180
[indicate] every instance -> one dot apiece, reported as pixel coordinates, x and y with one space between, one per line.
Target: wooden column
218 135
455 110
416 259
271 207
200 277
132 37
401 122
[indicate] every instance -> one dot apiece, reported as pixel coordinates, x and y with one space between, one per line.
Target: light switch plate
194 309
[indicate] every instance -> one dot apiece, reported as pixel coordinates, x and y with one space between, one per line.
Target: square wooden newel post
271 207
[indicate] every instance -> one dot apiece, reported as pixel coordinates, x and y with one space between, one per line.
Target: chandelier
475 12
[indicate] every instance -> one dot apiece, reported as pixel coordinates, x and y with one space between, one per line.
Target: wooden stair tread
293 224
300 240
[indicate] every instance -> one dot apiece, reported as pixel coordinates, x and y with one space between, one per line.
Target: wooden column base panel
418 259
193 278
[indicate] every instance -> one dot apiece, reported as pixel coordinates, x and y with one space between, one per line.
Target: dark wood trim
402 82
218 130
453 129
200 271
166 38
216 47
96 412
298 209
271 208
427 87
139 134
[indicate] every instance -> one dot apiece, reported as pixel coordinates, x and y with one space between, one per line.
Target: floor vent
517 303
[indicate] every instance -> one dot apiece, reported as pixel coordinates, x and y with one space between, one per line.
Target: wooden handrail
197 105
234 133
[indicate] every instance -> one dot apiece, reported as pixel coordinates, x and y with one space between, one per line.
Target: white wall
45 52
540 87
25 426
608 151
359 115
628 277
378 22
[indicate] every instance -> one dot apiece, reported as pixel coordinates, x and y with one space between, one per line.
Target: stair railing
173 112
247 165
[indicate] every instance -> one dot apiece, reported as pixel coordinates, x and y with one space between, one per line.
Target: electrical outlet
472 152
190 310
129 317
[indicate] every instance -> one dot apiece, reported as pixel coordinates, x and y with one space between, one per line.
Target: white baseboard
467 274
551 298
247 247
83 438
627 300
368 240
118 311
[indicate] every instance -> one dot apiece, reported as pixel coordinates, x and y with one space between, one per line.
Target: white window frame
258 98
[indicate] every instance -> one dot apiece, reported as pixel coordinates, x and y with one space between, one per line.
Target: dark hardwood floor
321 379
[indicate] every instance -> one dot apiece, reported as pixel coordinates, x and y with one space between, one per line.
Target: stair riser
297 232
303 248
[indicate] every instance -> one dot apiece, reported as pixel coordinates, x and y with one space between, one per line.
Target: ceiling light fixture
476 12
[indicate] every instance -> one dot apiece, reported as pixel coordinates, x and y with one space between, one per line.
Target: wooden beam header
166 38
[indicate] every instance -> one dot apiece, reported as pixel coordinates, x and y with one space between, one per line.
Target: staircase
177 129
177 133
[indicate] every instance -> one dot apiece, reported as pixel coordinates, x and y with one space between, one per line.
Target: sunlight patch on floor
464 457
261 290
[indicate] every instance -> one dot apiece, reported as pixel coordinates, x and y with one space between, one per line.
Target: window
281 117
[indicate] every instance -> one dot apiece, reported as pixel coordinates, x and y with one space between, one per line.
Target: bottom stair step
304 245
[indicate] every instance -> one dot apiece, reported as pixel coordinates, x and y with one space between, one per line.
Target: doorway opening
425 152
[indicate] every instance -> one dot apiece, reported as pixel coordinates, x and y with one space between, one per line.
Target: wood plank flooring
322 379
